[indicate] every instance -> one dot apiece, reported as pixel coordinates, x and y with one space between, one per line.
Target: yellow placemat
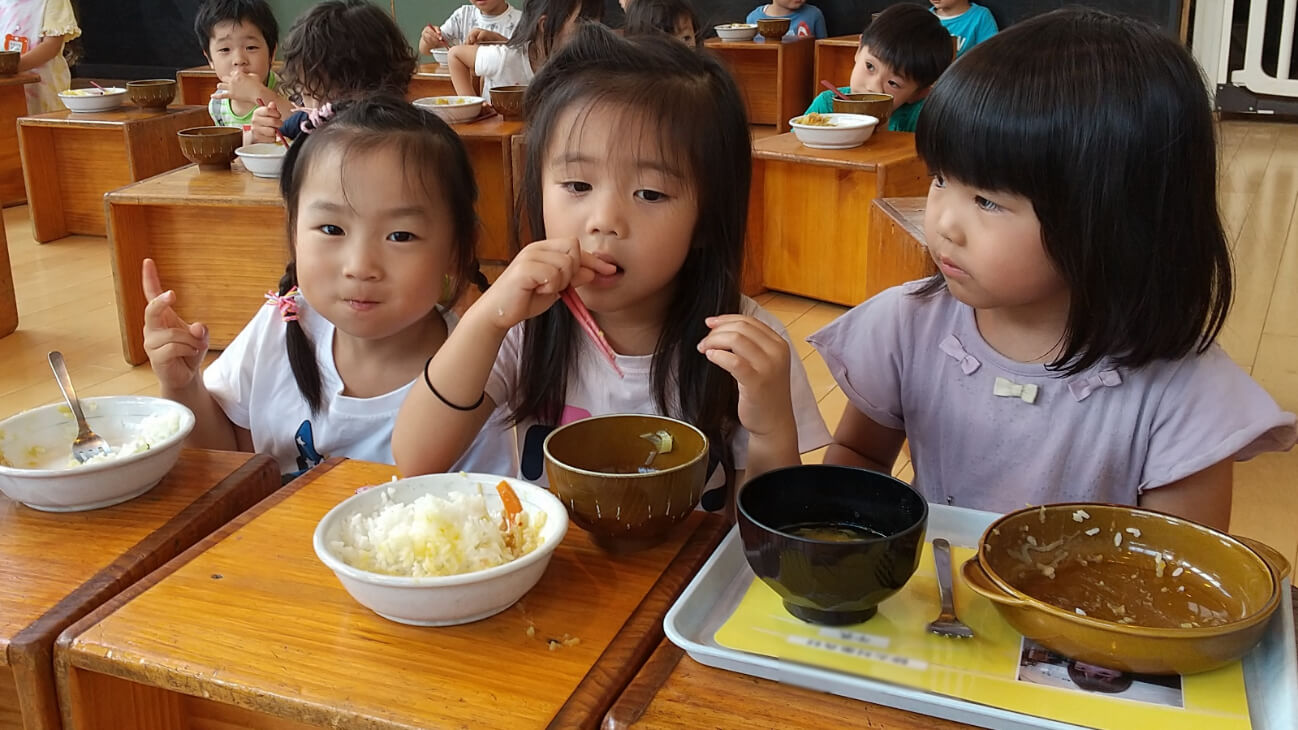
998 668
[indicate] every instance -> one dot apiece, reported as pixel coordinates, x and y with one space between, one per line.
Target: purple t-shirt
919 364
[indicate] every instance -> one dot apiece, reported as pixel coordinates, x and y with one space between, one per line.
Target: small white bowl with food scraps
833 131
442 549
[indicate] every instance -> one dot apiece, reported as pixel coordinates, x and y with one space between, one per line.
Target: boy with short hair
903 51
805 21
238 38
968 22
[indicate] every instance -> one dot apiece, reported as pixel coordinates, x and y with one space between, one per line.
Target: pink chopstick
587 322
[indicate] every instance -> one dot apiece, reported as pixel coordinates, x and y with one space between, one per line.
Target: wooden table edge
796 159
36 120
123 196
640 635
889 208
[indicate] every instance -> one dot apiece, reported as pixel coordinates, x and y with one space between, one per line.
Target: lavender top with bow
990 433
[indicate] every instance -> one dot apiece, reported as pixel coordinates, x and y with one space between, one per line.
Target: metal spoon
87 444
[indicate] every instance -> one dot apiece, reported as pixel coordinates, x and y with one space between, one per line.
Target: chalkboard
845 17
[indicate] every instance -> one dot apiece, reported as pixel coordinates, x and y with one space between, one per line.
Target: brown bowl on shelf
508 100
878 106
596 467
211 148
151 93
9 62
773 28
1128 588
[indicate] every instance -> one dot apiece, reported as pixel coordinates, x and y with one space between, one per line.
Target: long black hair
542 21
435 158
1103 123
691 109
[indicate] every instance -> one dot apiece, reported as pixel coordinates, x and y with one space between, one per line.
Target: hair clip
286 303
317 117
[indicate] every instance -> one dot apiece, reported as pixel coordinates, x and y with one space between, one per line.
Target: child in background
542 29
637 179
496 16
903 51
969 23
805 21
238 39
380 209
337 50
37 29
674 17
1065 351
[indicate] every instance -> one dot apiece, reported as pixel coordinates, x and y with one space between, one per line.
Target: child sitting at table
496 16
805 21
337 50
379 197
37 29
238 39
543 28
636 185
903 51
674 17
1065 350
969 23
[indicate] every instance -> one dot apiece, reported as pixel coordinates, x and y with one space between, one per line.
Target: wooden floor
66 302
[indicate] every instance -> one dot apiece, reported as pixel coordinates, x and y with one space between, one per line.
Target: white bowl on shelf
731 32
452 109
263 159
844 131
441 55
92 99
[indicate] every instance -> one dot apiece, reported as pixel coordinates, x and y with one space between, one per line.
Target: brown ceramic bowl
773 28
878 106
151 93
212 148
593 467
1127 588
9 62
508 100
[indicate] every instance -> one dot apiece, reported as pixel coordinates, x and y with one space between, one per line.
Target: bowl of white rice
37 467
441 549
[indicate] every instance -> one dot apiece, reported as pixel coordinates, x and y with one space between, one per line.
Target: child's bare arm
461 60
860 441
45 49
1202 497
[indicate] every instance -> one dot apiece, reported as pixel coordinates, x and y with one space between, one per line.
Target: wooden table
673 690
8 302
490 146
774 78
70 159
13 104
218 238
811 211
835 58
56 568
250 629
197 83
430 79
896 248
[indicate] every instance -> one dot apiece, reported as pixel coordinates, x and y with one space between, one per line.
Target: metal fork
946 624
87 444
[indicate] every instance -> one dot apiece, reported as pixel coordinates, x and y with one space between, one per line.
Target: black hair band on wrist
442 398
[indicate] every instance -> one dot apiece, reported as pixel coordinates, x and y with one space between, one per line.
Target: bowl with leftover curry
833 131
452 109
732 32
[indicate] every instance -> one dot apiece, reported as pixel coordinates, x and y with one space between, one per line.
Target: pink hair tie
317 117
286 303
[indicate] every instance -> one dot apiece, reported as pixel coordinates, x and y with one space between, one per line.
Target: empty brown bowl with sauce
9 62
508 100
832 541
1128 588
151 93
773 28
616 482
878 106
211 148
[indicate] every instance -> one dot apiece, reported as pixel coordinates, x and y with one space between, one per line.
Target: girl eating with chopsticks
636 184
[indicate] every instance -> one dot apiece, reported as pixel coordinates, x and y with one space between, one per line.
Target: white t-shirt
502 66
597 390
467 17
254 385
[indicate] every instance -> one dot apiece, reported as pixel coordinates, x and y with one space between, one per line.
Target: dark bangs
1103 123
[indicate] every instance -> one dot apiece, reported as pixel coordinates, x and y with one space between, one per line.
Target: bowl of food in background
92 99
832 541
151 93
1127 588
878 106
441 549
37 467
731 32
442 55
263 159
508 100
627 479
211 148
452 109
9 62
833 131
773 29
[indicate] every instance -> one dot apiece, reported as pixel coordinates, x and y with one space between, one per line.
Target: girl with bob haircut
1065 351
636 183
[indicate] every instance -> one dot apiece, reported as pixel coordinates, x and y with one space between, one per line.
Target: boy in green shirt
238 39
